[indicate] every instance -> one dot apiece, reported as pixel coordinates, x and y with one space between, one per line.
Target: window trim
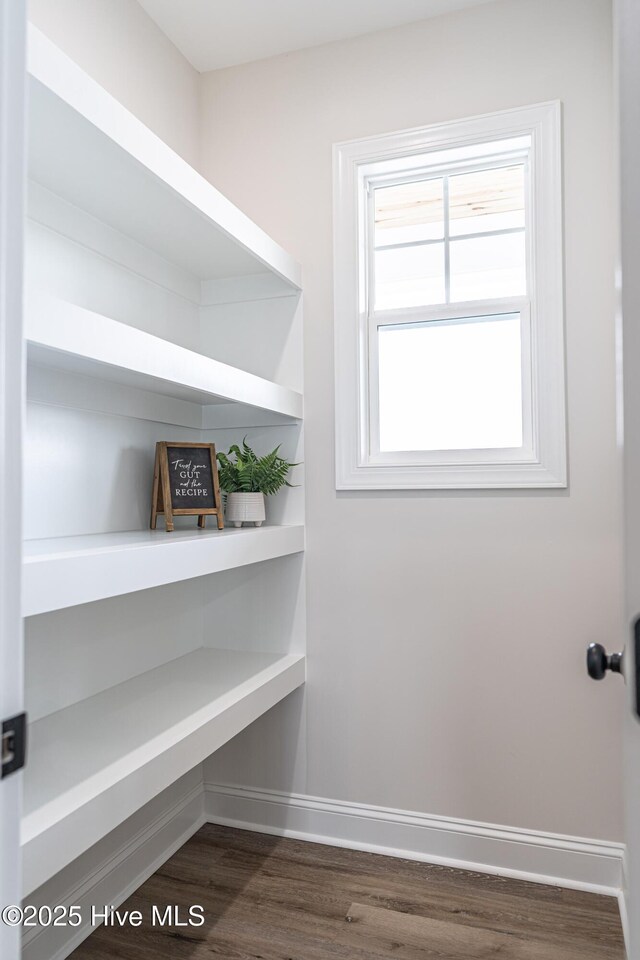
543 464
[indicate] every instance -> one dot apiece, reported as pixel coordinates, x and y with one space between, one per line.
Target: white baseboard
622 906
112 870
624 920
592 865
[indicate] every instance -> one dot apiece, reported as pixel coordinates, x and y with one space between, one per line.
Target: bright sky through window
451 386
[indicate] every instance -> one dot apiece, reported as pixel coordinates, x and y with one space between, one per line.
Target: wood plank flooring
267 898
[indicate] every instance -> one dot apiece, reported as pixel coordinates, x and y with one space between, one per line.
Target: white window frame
541 461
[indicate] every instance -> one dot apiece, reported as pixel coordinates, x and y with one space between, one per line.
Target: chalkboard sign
185 483
190 477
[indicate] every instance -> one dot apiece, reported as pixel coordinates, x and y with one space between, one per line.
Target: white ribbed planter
245 508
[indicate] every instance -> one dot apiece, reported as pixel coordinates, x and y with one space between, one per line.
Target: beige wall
121 47
447 631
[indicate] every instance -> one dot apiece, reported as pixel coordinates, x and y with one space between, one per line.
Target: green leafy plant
249 473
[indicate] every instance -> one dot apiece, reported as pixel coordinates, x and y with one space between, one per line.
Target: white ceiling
219 33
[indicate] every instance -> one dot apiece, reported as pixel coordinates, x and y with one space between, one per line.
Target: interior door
12 180
627 34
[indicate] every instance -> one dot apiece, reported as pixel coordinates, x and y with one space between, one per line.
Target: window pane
409 276
454 385
409 212
488 267
486 200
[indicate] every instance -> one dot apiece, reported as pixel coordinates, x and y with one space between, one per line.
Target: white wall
447 631
122 48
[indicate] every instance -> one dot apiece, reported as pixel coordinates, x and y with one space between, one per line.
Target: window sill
497 476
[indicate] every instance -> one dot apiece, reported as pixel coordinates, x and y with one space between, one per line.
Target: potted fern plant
247 479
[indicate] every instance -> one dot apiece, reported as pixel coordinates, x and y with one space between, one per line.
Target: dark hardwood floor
266 898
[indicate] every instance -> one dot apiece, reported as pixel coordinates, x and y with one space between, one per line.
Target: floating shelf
68 337
67 571
95 763
87 148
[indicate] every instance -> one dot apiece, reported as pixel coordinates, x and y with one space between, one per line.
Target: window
448 306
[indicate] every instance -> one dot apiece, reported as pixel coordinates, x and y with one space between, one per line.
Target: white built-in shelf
68 571
95 763
87 148
68 337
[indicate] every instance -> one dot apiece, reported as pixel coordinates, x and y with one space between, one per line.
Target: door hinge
14 744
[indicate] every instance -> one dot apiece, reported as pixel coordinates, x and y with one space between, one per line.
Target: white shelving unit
97 761
155 310
87 148
68 571
77 341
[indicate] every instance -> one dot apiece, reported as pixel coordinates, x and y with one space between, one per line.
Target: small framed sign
185 483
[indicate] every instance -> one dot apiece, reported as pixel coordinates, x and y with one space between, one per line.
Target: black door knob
598 662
